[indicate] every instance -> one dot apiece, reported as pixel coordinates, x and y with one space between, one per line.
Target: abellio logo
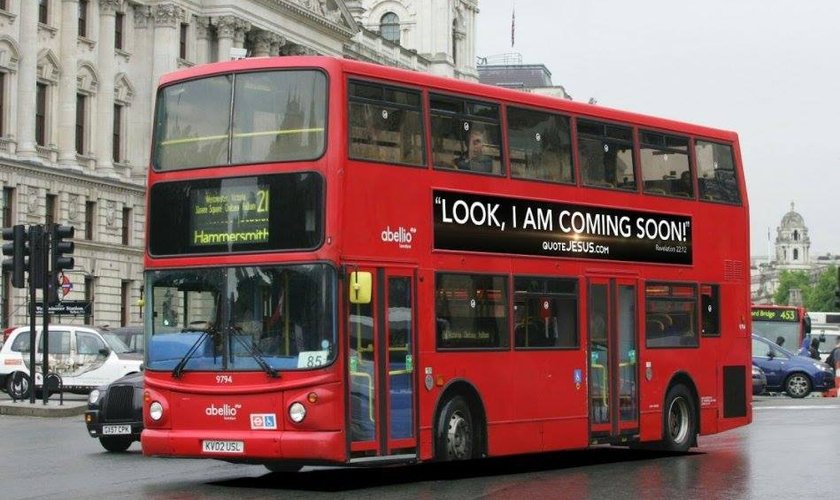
401 236
226 411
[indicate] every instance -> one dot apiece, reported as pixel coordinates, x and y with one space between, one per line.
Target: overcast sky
767 69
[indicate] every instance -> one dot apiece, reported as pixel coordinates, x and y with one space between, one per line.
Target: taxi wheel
17 385
116 444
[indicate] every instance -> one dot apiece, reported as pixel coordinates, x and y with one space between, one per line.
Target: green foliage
818 296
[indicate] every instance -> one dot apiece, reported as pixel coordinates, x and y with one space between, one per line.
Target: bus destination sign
774 314
233 214
483 223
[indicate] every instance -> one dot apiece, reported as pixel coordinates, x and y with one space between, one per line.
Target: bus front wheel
680 421
456 431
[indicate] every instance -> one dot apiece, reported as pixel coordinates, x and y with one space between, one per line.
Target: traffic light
59 247
17 249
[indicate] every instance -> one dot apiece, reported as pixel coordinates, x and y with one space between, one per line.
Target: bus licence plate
111 430
208 446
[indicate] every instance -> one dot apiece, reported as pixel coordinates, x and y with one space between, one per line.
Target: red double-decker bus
355 264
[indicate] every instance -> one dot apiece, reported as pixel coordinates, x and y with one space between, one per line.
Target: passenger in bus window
475 159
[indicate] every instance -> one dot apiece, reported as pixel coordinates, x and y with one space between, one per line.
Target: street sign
68 307
66 285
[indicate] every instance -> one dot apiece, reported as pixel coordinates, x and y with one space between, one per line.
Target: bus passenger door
381 363
613 372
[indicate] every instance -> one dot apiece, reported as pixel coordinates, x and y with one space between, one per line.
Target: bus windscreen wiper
179 368
255 353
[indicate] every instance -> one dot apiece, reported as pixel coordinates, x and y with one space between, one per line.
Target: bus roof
443 84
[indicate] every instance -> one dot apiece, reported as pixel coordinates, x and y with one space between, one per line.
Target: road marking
820 407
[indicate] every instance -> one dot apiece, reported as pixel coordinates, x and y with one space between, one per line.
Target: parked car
82 356
131 335
115 412
759 380
796 375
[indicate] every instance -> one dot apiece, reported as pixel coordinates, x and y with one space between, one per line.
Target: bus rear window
276 116
240 214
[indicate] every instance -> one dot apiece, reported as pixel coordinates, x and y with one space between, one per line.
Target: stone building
77 83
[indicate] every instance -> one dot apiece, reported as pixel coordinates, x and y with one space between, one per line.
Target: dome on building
792 219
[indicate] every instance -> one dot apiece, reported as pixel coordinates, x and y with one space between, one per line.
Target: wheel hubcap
458 436
678 420
797 385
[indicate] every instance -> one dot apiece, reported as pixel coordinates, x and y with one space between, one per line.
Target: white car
82 356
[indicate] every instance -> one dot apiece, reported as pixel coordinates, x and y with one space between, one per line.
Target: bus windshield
275 116
241 318
773 330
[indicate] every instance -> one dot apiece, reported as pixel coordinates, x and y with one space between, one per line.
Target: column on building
167 21
105 101
225 26
239 33
67 85
266 43
202 40
27 79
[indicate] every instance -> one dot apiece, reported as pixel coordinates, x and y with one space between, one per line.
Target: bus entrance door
381 364
613 352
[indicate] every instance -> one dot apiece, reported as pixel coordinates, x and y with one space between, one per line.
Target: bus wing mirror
360 287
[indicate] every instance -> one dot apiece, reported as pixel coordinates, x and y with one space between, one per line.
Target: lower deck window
471 311
545 312
671 315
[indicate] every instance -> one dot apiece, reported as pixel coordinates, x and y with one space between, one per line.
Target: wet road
789 452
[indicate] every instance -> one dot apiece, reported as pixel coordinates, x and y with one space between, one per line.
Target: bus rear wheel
679 420
456 431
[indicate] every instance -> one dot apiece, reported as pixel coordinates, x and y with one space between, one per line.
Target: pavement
72 405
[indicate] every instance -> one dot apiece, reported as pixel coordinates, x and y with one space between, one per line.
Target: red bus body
428 380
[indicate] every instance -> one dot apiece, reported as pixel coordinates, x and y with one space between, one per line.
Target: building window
81 105
41 114
3 5
126 226
90 216
43 11
125 295
8 203
50 211
83 13
795 254
118 30
117 133
389 27
89 299
182 46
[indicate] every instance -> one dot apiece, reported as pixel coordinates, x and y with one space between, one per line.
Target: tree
821 295
789 280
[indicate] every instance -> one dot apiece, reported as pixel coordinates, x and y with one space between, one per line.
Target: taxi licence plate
212 446
111 430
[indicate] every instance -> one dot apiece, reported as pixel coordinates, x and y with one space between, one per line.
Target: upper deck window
606 155
386 124
275 116
465 134
665 168
540 146
716 177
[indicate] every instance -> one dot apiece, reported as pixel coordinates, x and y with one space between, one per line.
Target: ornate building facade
77 83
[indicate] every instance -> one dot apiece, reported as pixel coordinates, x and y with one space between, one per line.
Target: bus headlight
297 412
93 397
155 411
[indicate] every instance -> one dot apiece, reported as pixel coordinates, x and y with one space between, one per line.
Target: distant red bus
787 325
354 264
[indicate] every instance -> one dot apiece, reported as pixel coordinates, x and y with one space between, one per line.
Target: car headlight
93 397
297 412
155 411
822 367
